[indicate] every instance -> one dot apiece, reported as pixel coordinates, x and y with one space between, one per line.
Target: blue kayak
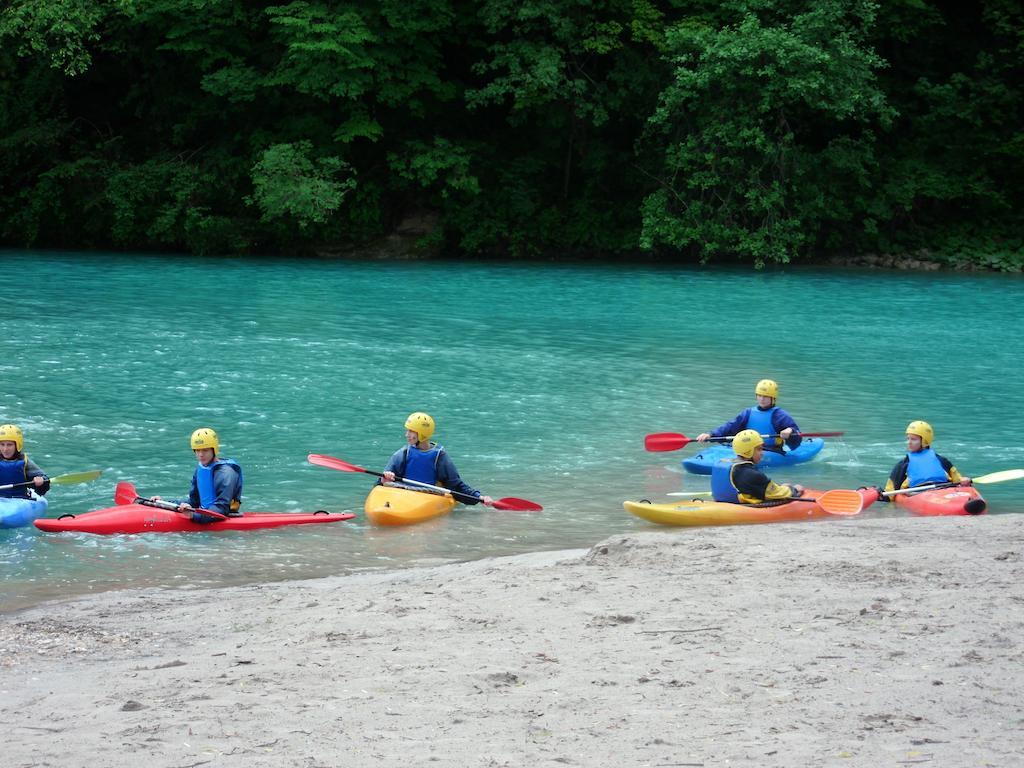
15 513
700 464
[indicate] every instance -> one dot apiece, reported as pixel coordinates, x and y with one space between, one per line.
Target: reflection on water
543 380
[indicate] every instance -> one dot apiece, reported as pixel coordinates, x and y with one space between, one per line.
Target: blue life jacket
13 471
722 488
422 465
207 488
924 467
762 422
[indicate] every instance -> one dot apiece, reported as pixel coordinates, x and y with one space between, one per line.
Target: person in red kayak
427 462
922 465
17 467
738 481
765 418
216 483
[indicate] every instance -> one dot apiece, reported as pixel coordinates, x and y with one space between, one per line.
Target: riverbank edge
397 248
410 241
852 642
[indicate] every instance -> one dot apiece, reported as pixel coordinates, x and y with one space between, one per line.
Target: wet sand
842 643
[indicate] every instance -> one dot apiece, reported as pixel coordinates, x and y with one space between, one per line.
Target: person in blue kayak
420 459
16 467
216 483
739 481
765 418
922 465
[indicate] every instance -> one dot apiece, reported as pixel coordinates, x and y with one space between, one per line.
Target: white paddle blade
1000 477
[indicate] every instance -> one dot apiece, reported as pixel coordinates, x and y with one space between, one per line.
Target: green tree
765 132
762 130
950 177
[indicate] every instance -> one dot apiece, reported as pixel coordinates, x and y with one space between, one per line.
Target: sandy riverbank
846 643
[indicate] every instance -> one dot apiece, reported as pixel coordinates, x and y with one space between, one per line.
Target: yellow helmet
923 430
421 424
746 442
204 437
13 433
768 388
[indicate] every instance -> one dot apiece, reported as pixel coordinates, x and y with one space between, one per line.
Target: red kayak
962 500
137 518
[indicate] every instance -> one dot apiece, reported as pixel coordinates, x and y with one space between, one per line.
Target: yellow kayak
393 505
705 512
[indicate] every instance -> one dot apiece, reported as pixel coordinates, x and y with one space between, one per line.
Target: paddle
992 477
837 502
125 493
673 441
69 479
509 503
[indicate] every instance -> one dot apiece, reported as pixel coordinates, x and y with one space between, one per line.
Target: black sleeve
899 473
750 481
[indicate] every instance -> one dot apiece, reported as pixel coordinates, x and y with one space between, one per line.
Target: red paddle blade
512 504
333 463
841 502
125 493
665 441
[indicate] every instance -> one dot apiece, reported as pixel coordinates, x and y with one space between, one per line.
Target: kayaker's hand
703 437
155 498
874 488
963 481
798 490
39 480
183 507
784 434
388 477
487 500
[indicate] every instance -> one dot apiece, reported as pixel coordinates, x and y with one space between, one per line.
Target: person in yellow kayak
420 459
216 483
738 481
17 467
922 465
765 418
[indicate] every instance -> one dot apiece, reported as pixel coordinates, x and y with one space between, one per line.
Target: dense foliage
764 130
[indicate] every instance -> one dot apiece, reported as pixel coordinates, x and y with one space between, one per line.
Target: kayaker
765 418
428 462
17 467
738 481
216 483
922 465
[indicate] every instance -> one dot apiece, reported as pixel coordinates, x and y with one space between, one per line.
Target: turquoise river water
543 379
